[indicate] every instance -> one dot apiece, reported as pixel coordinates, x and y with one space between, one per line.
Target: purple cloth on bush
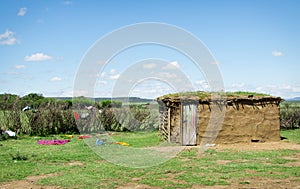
52 142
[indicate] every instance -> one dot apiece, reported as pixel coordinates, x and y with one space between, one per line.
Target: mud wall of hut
243 122
175 128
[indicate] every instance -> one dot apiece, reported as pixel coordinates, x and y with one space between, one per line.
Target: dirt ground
254 182
258 146
28 182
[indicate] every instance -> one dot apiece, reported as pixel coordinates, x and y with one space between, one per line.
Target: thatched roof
229 97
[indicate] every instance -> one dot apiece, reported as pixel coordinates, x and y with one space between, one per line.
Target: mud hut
189 118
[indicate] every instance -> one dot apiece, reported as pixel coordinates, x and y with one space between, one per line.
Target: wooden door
189 124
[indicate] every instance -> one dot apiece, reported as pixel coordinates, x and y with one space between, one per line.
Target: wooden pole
169 124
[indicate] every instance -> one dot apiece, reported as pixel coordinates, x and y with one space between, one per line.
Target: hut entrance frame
189 124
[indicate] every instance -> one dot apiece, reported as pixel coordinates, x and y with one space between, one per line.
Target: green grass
293 104
289 107
188 169
139 139
202 94
291 135
245 93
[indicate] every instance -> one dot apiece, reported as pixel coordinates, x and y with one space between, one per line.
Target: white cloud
19 66
238 85
202 85
114 77
55 79
81 93
167 75
151 89
12 73
102 82
7 38
171 65
112 71
277 53
281 90
175 63
149 66
102 75
67 2
112 74
201 82
37 57
22 11
215 62
64 93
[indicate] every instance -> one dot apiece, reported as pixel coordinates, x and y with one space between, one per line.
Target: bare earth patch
280 145
136 186
257 182
223 162
296 159
74 163
29 182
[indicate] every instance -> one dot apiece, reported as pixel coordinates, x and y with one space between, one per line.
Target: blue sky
255 43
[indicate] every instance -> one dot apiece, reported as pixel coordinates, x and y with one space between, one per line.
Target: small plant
3 137
18 156
244 182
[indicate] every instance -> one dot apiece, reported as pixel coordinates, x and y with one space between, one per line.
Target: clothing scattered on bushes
76 116
9 133
83 137
52 142
69 136
122 143
99 142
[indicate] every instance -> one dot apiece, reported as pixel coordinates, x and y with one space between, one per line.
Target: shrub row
52 120
57 117
40 122
290 115
118 119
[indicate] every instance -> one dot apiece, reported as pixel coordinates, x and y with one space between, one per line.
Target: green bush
18 156
110 103
290 115
49 116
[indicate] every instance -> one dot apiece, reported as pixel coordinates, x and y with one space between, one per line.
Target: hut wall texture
175 120
242 123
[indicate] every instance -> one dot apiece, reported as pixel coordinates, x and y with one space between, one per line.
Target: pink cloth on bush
52 142
83 137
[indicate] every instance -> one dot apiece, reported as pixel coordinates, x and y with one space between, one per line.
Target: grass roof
246 94
203 94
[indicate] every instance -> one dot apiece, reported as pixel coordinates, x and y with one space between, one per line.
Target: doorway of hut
188 124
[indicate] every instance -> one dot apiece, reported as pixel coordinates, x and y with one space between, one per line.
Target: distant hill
126 99
293 99
122 99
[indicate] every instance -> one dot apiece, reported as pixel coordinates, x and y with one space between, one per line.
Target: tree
8 101
10 112
110 103
33 100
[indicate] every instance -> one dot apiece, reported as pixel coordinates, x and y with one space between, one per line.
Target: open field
75 165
